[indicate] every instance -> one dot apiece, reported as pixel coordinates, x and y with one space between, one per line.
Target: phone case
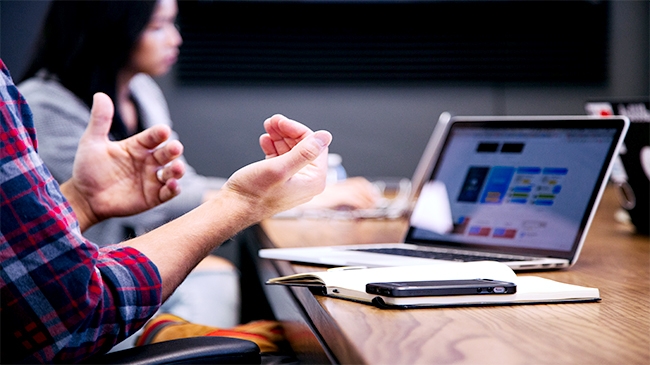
441 287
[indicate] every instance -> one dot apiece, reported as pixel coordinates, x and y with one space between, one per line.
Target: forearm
178 246
252 193
196 189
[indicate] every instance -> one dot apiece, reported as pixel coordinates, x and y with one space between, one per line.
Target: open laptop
521 190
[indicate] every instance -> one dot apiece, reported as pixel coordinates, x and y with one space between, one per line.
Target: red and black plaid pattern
62 298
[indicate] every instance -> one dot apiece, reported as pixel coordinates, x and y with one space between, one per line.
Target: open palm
119 178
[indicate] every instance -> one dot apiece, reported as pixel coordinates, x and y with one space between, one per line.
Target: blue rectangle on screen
543 202
555 171
529 170
497 184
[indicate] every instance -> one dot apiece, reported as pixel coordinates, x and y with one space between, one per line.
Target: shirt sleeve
63 298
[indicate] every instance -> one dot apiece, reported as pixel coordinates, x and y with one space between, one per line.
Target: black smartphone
441 287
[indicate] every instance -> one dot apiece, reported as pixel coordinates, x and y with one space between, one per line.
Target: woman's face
157 49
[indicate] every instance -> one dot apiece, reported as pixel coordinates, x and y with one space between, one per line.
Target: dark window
393 41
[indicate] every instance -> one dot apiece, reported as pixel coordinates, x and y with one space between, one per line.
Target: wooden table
328 330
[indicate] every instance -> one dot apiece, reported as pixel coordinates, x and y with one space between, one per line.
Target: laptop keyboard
449 256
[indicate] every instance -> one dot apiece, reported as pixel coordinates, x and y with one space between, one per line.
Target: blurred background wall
380 128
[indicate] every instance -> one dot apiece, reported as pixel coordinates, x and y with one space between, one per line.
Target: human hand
295 169
293 172
351 193
121 178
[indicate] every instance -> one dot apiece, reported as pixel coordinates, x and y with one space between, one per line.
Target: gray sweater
61 118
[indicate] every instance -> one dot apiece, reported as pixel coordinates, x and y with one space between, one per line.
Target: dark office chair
194 350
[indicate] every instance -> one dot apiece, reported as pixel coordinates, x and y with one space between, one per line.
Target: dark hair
85 43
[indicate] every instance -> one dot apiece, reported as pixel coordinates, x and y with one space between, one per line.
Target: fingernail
323 137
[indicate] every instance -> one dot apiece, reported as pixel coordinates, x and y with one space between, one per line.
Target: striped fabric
62 298
266 334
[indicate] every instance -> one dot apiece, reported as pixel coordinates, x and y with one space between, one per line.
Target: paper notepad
350 283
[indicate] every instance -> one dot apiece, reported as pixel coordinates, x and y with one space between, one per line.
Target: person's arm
63 298
293 172
112 179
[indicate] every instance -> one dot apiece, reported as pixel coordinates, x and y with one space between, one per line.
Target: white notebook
350 283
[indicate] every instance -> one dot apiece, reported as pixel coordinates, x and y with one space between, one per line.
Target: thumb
101 116
306 151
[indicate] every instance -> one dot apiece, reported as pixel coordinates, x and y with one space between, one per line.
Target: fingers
268 146
305 152
173 171
152 137
168 176
293 144
101 116
171 189
168 152
279 127
282 134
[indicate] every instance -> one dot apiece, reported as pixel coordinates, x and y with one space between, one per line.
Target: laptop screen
520 186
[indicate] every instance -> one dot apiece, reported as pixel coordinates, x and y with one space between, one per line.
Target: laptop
631 171
521 190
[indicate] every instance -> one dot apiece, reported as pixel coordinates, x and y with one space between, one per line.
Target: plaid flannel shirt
63 298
